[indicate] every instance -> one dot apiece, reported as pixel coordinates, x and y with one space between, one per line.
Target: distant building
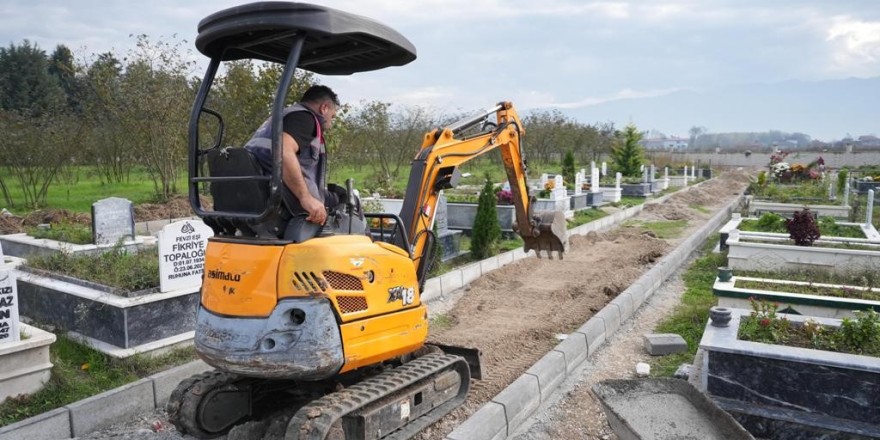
666 144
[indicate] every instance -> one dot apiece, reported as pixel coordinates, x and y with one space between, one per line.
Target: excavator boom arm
436 168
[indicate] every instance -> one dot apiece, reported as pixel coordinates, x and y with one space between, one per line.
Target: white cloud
594 100
856 45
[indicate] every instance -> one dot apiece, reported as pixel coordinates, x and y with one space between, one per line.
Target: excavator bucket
551 234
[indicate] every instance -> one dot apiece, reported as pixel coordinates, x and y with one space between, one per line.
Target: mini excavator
330 330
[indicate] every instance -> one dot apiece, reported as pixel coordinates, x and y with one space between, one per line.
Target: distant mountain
825 110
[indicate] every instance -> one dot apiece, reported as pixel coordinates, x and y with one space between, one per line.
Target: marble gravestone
182 254
112 221
449 240
8 306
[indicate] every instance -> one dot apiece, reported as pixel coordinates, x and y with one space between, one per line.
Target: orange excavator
330 331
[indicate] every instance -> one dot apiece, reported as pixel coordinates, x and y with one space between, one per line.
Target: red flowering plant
763 324
504 197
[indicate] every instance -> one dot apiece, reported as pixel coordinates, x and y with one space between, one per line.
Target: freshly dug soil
12 224
515 313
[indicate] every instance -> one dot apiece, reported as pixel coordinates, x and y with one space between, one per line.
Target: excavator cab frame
322 40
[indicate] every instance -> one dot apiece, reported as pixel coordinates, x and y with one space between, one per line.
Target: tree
26 86
155 115
487 230
107 144
568 168
695 132
627 154
63 69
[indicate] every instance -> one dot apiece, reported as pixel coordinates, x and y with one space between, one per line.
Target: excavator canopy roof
337 42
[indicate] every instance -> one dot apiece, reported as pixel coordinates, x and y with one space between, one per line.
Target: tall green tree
107 145
63 68
487 231
568 168
26 86
627 155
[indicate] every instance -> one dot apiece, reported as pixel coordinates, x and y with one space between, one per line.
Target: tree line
118 113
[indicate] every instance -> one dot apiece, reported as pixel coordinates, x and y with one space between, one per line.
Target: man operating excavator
304 163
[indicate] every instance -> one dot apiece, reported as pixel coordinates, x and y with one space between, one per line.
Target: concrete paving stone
166 381
470 273
432 289
594 331
110 407
50 425
450 282
638 293
488 265
488 423
550 371
574 348
660 344
610 314
520 399
624 304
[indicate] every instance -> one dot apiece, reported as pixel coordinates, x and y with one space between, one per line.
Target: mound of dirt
176 207
13 224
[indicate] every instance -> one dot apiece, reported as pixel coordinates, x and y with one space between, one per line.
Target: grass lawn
81 372
689 318
585 216
662 228
79 196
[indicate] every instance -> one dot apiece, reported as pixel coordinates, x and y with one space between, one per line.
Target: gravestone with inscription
182 254
112 221
450 241
8 306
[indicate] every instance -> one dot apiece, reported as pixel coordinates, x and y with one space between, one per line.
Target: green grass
661 228
88 189
115 268
440 322
585 216
79 372
64 231
628 201
700 208
690 316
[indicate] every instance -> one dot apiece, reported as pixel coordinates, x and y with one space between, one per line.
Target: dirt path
515 313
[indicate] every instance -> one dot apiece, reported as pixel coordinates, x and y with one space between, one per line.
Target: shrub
568 171
763 324
802 228
627 153
504 197
771 222
487 230
842 175
857 334
762 178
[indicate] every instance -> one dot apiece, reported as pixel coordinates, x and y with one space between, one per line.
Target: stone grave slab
112 220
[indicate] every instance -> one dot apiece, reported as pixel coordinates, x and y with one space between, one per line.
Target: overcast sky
565 54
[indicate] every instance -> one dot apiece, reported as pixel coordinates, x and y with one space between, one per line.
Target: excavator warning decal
400 293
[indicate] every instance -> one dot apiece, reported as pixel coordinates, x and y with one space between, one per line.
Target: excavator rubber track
378 394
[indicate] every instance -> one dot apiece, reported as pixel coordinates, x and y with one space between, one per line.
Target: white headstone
870 209
182 254
617 177
112 220
642 168
558 182
665 172
652 173
544 178
644 174
846 194
8 307
592 165
685 173
1 254
831 194
604 169
594 180
559 192
578 182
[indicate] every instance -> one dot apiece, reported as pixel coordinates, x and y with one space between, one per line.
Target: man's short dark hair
319 93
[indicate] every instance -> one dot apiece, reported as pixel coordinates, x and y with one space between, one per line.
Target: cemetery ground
515 313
